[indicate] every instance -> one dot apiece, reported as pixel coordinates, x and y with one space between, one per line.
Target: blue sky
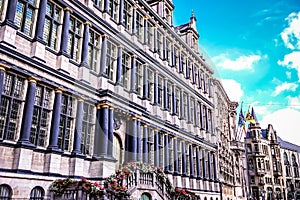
255 47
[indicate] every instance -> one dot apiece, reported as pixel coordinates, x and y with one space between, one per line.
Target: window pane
41 116
5 192
25 15
10 111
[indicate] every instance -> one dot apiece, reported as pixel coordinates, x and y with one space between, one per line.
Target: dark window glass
87 128
52 22
25 15
41 116
94 50
5 192
10 107
74 38
37 193
66 122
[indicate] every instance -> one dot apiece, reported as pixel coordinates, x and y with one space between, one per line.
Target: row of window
257 148
262 164
11 109
6 192
286 160
53 27
12 105
166 150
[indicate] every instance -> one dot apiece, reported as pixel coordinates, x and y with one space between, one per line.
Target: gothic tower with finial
189 32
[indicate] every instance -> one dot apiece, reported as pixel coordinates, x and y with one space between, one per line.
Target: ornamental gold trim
33 80
68 9
4 67
58 90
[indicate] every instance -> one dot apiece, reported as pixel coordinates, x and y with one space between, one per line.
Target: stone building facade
272 165
88 85
230 146
290 168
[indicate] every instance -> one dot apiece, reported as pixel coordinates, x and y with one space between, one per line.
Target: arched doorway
117 150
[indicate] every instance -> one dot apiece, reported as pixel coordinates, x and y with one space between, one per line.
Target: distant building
290 168
231 147
272 165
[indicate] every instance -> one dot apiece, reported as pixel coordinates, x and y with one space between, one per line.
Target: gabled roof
288 145
264 133
282 143
191 25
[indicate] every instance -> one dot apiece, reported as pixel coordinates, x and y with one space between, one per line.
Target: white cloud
291 34
294 102
285 122
288 75
233 89
285 87
241 63
260 110
292 61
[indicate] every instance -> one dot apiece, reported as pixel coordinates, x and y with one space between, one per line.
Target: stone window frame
54 21
37 193
67 114
5 191
111 60
41 115
99 4
127 15
139 77
126 66
150 35
139 26
75 38
88 123
25 9
94 50
113 9
13 87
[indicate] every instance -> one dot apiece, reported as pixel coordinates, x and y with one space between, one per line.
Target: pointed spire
193 21
249 117
254 115
193 18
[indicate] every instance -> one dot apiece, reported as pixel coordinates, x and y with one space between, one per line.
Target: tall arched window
117 150
5 192
251 164
295 166
37 193
277 193
285 158
294 162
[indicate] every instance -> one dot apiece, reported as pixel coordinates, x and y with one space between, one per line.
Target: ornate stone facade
273 165
89 85
231 146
